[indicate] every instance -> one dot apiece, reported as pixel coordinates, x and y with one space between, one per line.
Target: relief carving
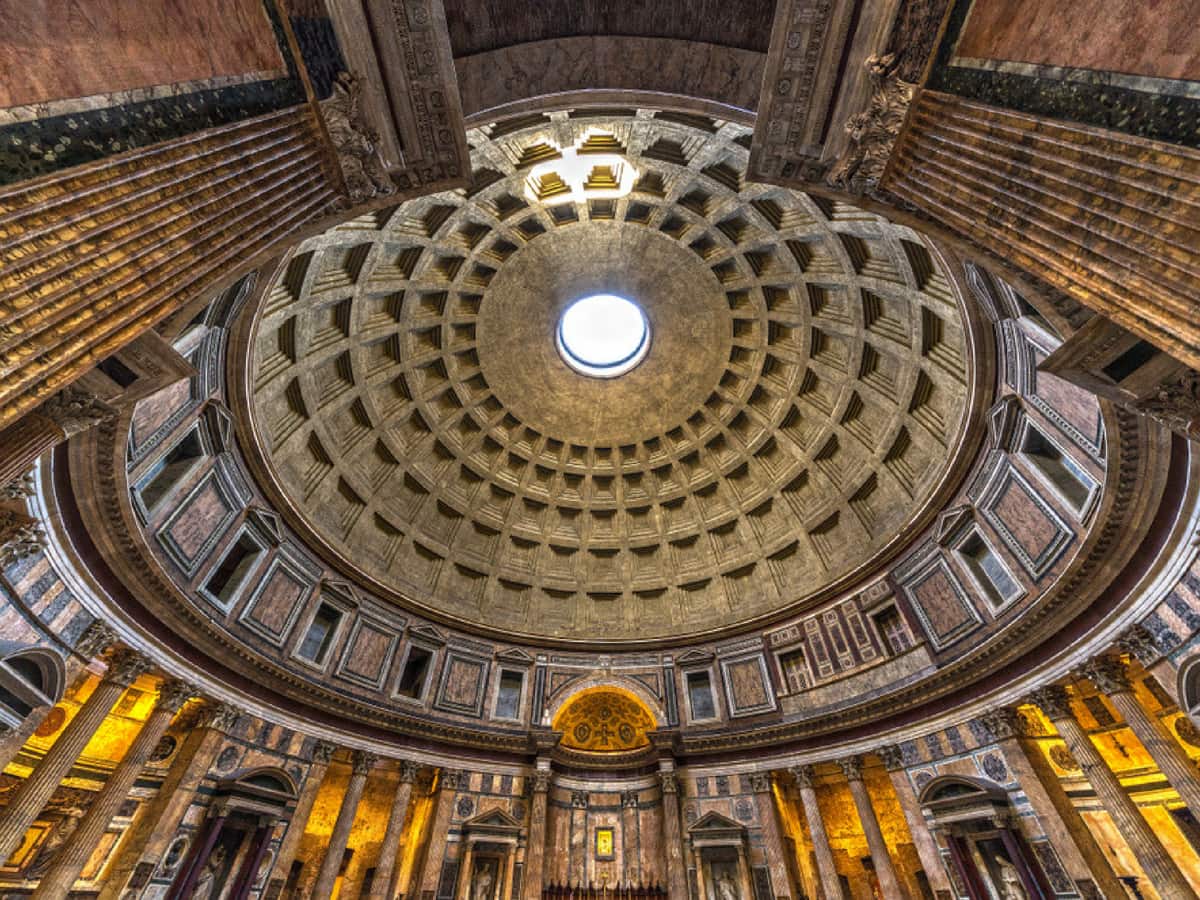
20 537
1175 405
74 410
355 142
873 132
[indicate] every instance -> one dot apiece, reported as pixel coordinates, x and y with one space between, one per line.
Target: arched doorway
977 823
232 843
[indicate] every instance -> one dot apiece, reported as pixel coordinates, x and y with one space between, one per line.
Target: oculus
603 335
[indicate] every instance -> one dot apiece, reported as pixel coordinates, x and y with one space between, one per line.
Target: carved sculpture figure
355 141
873 132
206 884
483 883
1010 882
727 887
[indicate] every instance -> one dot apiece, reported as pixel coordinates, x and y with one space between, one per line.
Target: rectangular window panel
170 470
227 577
795 671
320 634
988 570
416 669
700 696
893 630
1059 469
508 696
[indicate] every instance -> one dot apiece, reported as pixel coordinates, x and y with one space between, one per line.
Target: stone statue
355 141
206 884
1010 882
873 132
483 883
726 887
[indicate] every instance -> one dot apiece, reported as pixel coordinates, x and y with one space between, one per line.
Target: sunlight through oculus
603 335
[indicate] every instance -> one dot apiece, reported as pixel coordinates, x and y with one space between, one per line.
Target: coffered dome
801 402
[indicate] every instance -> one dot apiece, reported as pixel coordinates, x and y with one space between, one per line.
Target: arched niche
30 678
604 719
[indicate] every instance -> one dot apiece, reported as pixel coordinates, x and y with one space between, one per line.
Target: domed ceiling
800 406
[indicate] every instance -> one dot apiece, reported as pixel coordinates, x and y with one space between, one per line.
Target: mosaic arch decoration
604 720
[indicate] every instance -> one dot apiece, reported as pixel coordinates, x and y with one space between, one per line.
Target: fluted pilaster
361 763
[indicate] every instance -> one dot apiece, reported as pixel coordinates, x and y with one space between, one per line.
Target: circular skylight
603 335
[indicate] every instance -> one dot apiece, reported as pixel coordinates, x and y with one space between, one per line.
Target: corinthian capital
173 693
892 756
74 410
1138 642
361 761
1054 701
96 638
805 776
1004 722
851 767
1108 673
124 666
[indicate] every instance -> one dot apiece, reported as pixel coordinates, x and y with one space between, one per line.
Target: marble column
826 870
255 855
1154 858
777 863
535 850
1138 642
449 781
672 833
335 849
73 855
466 861
286 855
926 846
1111 676
29 799
383 887
701 881
884 870
158 820
1070 836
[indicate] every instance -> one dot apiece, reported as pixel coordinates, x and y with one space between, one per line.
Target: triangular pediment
714 821
515 655
695 657
493 820
951 523
427 633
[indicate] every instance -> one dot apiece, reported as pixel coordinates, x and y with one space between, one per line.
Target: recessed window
320 634
415 672
795 670
1058 468
1130 361
169 471
700 696
990 573
892 629
603 335
231 571
508 695
117 371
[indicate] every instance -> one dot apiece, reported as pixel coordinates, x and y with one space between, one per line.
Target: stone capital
669 782
579 799
805 776
75 410
219 716
96 638
454 779
1004 722
851 767
322 752
20 537
1054 701
173 693
1138 642
124 666
892 756
760 782
629 800
409 771
1109 673
361 761
541 781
